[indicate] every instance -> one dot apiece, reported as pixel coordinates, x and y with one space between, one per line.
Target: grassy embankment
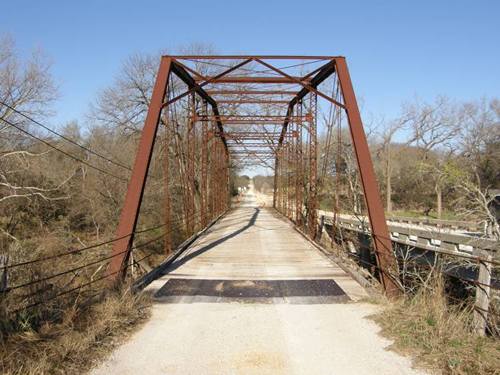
438 335
78 340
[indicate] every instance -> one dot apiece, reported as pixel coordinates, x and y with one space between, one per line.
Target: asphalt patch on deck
251 291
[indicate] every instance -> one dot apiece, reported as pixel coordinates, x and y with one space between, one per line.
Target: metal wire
76 251
254 70
62 273
64 137
107 275
63 152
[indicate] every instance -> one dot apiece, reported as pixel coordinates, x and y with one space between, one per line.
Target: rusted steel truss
220 133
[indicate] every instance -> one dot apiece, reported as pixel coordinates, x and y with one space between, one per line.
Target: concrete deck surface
192 336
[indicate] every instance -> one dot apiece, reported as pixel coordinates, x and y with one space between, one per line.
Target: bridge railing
439 223
469 265
435 239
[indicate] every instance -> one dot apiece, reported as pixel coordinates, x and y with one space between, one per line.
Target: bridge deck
252 296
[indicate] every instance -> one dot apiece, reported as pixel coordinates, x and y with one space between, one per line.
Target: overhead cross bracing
261 111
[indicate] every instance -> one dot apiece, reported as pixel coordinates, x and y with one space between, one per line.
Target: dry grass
437 335
78 341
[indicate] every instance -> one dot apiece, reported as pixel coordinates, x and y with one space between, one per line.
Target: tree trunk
439 201
388 185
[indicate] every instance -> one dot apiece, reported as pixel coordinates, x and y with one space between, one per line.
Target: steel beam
245 57
166 190
204 166
300 169
313 168
244 92
130 211
327 70
191 157
252 101
259 80
301 82
380 233
193 86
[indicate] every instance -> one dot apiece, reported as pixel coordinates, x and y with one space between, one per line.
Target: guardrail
452 224
424 238
478 272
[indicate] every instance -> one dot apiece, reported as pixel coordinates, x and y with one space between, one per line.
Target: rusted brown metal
244 92
190 170
213 176
198 87
246 57
307 84
264 80
313 167
378 223
227 185
246 135
167 243
295 159
299 183
247 144
252 101
293 172
135 191
276 187
204 166
283 181
253 122
225 118
252 152
289 180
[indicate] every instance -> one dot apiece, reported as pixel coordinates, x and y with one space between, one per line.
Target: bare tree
124 104
434 128
387 152
476 171
26 87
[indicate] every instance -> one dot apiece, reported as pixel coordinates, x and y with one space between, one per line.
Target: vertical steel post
285 177
204 165
130 212
282 180
221 178
300 174
166 189
382 242
227 196
213 175
313 166
275 192
288 171
289 175
217 178
293 177
190 164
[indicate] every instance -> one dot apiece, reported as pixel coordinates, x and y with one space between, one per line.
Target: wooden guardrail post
4 272
321 226
482 293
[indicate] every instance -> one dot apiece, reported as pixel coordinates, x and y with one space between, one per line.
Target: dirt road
254 297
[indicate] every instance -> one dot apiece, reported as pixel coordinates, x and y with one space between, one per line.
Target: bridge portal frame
309 83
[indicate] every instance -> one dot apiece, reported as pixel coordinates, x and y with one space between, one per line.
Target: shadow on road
211 245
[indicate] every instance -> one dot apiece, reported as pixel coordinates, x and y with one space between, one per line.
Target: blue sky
396 49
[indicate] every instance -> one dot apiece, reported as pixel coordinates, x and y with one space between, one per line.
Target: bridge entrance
253 296
250 291
251 110
253 255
